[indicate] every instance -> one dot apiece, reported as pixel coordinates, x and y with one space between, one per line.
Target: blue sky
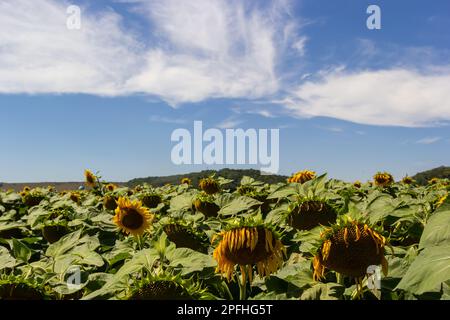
348 100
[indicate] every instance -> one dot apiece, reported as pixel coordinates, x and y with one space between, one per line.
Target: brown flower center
132 220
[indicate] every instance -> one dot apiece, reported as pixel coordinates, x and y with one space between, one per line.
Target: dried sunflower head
248 245
209 185
349 248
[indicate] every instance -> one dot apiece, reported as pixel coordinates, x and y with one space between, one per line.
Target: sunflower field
309 238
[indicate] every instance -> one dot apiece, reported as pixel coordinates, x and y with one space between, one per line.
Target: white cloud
39 54
428 140
200 49
395 97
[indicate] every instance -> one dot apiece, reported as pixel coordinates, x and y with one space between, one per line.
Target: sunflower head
131 217
349 248
110 202
383 179
249 246
245 189
408 180
302 176
26 189
185 236
433 181
441 201
51 188
151 200
90 179
205 204
357 184
111 187
309 213
75 197
20 288
209 185
53 232
166 286
33 197
186 180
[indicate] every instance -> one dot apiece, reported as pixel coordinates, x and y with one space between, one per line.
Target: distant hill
441 172
234 174
60 186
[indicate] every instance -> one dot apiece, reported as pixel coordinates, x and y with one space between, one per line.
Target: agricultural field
308 238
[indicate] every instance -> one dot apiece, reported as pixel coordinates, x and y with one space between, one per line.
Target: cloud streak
428 140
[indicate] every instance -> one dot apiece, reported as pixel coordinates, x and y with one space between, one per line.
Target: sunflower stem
242 290
340 278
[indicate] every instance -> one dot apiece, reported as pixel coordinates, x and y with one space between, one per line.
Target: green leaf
437 230
189 260
20 250
142 259
324 291
238 204
284 191
428 271
6 260
64 244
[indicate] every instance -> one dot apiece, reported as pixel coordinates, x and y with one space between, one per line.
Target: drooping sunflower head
26 189
209 185
131 217
302 176
51 188
166 286
408 180
151 199
205 204
383 179
184 236
308 213
110 202
33 198
90 179
186 180
20 288
75 197
349 248
52 232
357 184
248 246
245 189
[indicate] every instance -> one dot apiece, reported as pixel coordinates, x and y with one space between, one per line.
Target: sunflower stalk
242 289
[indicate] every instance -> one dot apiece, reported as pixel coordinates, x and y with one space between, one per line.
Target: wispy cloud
202 49
229 123
155 118
331 128
429 140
